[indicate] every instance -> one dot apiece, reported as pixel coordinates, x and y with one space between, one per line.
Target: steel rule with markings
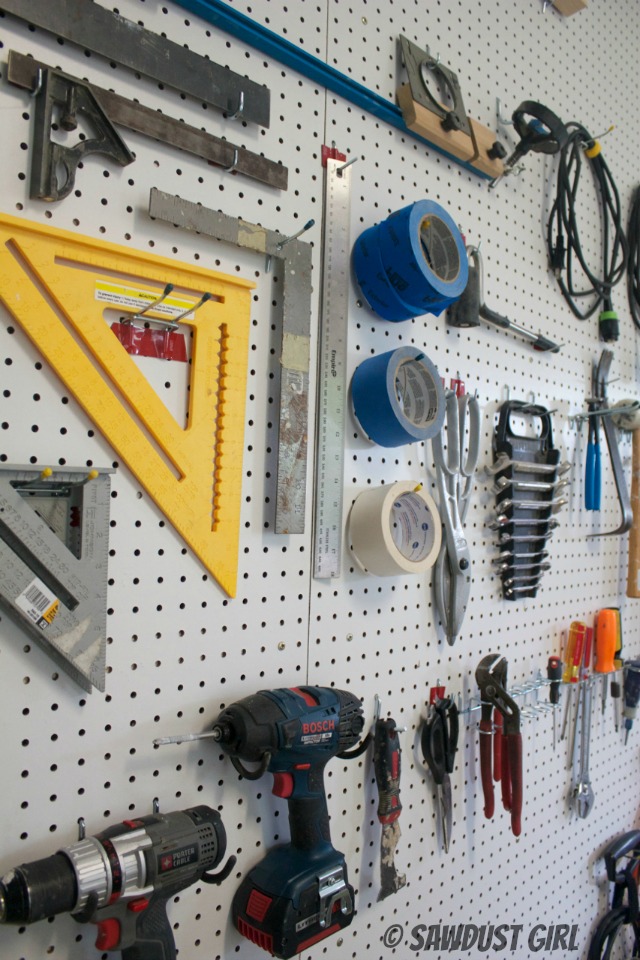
332 380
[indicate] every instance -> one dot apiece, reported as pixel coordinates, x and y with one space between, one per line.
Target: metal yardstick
386 763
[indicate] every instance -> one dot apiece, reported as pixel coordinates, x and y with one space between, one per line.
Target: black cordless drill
299 893
121 880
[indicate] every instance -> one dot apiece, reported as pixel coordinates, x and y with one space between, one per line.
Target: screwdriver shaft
186 738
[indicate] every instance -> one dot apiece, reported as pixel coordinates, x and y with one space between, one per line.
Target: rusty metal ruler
112 36
332 372
54 539
295 263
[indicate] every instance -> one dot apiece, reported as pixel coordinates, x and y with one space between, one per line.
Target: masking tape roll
398 397
395 530
419 252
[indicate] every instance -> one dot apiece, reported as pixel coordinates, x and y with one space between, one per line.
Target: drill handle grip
153 934
309 822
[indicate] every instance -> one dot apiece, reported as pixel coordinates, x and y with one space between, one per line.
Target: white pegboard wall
178 648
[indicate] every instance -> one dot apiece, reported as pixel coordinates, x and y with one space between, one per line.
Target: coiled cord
633 263
575 277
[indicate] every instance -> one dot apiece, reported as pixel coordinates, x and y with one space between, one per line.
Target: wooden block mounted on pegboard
53 283
425 122
568 7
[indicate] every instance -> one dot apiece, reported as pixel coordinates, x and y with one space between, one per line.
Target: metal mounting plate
419 64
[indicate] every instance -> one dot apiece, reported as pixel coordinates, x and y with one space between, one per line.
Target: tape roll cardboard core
439 248
412 528
417 392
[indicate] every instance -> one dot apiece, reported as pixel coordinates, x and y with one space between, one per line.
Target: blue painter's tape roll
412 263
398 397
423 255
373 281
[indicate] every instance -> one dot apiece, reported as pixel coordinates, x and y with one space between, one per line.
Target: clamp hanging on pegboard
432 105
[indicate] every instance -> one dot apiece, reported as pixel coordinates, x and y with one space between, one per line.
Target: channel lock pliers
501 742
454 474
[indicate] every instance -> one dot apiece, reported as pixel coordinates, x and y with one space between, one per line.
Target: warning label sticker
121 296
39 603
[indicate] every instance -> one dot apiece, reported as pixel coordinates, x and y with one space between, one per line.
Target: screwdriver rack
178 648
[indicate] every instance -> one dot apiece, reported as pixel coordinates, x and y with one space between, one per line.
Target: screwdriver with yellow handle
572 661
607 623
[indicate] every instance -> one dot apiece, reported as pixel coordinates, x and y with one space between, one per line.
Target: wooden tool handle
633 570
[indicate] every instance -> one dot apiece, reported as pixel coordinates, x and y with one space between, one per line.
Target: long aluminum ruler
54 545
332 375
295 257
58 285
91 26
22 71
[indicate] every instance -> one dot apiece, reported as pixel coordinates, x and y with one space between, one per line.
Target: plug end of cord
608 324
557 257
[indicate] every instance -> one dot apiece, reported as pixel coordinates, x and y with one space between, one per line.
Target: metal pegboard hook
237 113
503 121
234 162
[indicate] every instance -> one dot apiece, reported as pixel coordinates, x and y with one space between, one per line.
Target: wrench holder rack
525 472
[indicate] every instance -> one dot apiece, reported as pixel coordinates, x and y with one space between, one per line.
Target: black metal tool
540 131
471 308
554 675
386 762
439 742
49 159
112 36
425 72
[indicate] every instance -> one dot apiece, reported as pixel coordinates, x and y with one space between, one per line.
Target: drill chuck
33 891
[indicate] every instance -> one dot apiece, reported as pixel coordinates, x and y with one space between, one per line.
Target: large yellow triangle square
49 280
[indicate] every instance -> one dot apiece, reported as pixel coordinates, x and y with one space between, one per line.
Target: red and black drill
121 880
299 893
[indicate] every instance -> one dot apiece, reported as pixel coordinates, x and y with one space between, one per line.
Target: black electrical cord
633 263
575 277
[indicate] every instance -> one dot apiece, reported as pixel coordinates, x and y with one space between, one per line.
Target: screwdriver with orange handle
616 686
606 644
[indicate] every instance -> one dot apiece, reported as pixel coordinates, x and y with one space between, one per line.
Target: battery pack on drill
314 900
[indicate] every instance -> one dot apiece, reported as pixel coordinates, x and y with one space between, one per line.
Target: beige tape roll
395 529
